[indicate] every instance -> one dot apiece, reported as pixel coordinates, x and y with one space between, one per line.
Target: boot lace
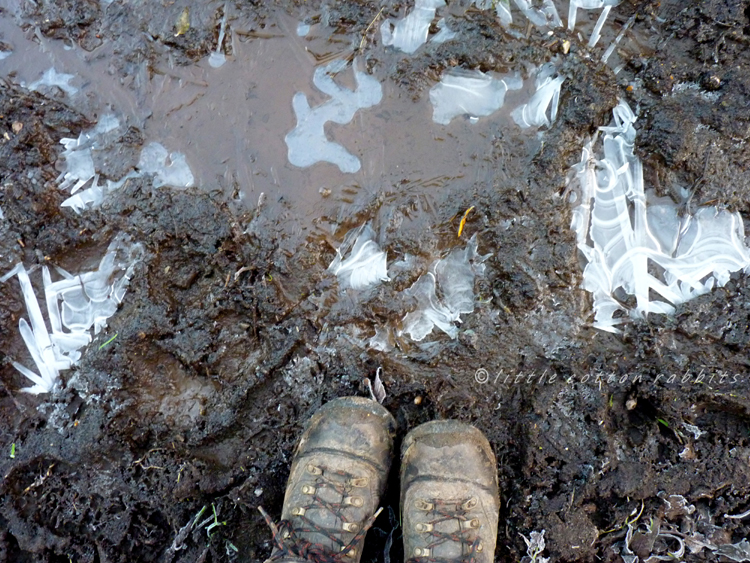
288 537
443 511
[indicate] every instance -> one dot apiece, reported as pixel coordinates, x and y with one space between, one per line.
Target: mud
232 332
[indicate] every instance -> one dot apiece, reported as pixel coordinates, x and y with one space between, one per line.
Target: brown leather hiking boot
338 473
449 494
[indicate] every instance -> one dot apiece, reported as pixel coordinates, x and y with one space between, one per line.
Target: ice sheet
307 142
621 230
473 93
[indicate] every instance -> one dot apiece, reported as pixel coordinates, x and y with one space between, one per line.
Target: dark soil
232 333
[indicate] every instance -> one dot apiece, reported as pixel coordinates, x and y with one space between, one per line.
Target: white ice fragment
307 142
53 78
454 276
543 16
444 32
545 99
217 58
735 551
410 33
303 29
382 340
94 195
474 93
645 250
169 169
575 5
88 299
535 546
598 27
365 264
78 158
1 213
611 48
430 312
502 9
5 54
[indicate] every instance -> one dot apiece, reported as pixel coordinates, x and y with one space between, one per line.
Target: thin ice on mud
79 169
51 79
88 300
364 265
454 277
636 244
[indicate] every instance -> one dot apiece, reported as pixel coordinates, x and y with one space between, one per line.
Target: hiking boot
338 473
449 494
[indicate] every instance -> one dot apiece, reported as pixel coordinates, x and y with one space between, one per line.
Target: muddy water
230 121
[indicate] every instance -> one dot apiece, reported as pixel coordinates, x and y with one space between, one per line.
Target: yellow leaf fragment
183 22
463 221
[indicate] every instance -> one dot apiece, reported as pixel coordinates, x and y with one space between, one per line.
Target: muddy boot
449 494
338 474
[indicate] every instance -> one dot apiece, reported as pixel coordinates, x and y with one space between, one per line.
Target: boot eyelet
479 547
423 527
351 553
298 511
354 501
422 504
314 470
471 503
350 527
468 524
308 490
360 482
421 552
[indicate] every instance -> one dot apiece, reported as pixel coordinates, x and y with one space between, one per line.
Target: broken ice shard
217 58
169 169
88 299
546 98
307 142
473 93
52 78
410 33
444 32
78 160
364 265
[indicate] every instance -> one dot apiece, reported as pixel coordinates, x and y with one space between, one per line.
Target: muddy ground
232 332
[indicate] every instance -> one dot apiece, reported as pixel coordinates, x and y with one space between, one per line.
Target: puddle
230 122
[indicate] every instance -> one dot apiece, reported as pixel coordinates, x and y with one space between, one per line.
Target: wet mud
162 442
